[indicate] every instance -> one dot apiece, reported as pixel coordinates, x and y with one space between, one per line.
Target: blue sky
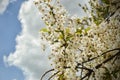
19 34
9 28
21 56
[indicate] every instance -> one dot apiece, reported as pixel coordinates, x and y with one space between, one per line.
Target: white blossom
74 40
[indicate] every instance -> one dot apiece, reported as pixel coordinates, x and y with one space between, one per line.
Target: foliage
89 46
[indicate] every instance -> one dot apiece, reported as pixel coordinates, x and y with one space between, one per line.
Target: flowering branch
46 73
90 71
102 55
53 75
110 58
79 45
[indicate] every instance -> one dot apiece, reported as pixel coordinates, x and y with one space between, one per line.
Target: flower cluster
82 48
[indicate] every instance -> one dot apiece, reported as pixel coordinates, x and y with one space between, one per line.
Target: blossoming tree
85 48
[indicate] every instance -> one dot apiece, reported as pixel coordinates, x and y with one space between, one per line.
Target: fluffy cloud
3 5
12 1
28 55
73 8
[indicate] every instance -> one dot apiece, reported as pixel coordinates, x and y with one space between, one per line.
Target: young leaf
115 72
67 30
60 37
107 74
61 77
106 1
87 29
78 31
44 30
69 36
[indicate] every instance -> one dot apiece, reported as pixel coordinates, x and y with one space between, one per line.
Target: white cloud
12 1
3 5
28 54
73 8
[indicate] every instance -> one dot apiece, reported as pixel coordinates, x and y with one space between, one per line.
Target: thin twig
101 54
85 68
46 73
90 71
99 65
81 70
87 75
53 75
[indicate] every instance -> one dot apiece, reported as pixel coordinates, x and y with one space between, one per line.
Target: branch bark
46 73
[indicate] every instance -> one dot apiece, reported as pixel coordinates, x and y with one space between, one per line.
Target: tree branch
53 75
102 54
90 71
99 65
82 67
46 73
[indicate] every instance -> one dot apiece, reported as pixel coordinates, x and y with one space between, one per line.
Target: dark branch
46 73
82 70
102 54
87 75
85 68
90 71
99 65
82 67
53 75
111 14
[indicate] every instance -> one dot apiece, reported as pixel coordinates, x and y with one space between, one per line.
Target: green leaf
107 74
78 21
97 22
46 23
61 77
87 29
78 31
106 1
52 24
44 30
67 30
114 73
69 36
60 37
